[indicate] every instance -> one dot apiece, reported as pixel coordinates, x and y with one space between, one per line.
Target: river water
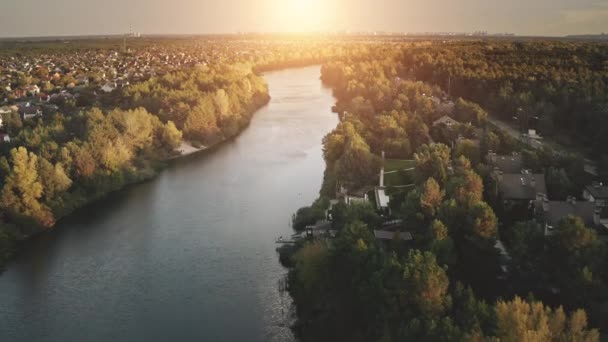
189 256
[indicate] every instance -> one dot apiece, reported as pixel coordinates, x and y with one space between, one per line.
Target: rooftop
555 211
506 163
389 235
522 186
598 190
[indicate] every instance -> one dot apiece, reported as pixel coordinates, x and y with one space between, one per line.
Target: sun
300 15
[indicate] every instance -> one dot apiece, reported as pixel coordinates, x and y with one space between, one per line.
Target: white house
108 87
5 138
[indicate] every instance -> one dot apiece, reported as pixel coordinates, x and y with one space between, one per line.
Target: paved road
590 166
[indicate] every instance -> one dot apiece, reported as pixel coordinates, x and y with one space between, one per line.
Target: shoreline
185 150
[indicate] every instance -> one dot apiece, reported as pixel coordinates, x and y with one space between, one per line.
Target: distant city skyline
85 17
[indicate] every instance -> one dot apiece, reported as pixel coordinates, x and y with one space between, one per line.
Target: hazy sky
83 17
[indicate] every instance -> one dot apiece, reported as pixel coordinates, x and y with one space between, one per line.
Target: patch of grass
400 177
398 164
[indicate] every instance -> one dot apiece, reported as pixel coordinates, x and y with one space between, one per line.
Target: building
382 199
387 235
445 120
506 163
5 138
350 200
520 187
596 193
550 213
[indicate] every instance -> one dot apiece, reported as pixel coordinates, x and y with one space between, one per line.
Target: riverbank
16 234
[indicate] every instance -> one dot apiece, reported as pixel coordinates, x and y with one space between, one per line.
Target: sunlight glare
300 15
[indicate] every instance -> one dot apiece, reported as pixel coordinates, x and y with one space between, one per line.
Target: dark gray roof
598 191
518 186
557 210
507 163
389 235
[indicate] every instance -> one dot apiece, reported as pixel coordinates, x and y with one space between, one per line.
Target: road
590 166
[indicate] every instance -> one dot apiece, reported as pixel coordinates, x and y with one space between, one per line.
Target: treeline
561 88
209 103
62 161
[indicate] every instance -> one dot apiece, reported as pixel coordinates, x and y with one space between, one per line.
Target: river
190 255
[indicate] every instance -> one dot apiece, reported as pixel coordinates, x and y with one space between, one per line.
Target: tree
466 111
519 320
469 149
22 189
432 161
53 179
431 197
171 136
427 283
466 188
311 266
483 223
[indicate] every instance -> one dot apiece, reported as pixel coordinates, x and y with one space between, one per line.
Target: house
108 87
28 112
446 120
382 199
349 199
596 193
523 186
5 138
550 213
319 229
32 90
506 163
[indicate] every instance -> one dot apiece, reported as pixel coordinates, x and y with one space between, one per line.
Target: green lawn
401 177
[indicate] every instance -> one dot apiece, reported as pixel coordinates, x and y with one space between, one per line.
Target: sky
19 18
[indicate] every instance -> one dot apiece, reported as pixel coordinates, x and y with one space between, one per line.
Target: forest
451 282
559 88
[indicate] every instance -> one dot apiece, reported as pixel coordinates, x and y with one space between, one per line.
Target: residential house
387 235
506 163
320 229
29 112
5 138
521 187
596 193
550 213
446 120
350 199
382 199
108 87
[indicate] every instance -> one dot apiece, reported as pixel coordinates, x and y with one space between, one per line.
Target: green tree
432 161
427 283
22 189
